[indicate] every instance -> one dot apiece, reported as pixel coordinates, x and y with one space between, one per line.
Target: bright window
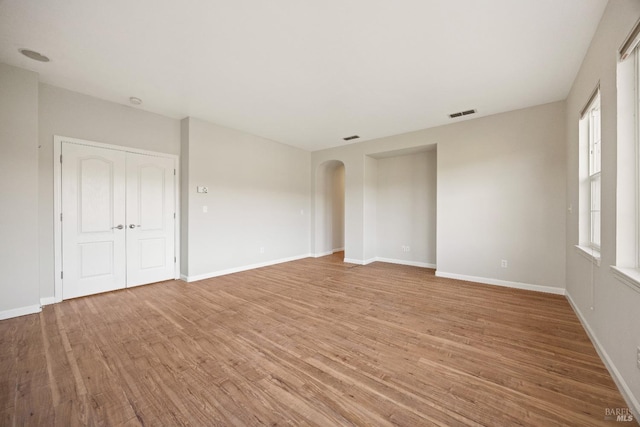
627 267
592 116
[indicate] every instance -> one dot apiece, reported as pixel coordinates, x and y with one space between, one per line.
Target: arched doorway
329 208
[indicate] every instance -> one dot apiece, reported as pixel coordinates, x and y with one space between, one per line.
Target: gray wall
500 195
609 308
185 184
19 293
258 198
406 208
329 202
337 208
65 113
370 217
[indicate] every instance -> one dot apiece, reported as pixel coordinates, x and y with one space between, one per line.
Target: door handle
133 226
119 227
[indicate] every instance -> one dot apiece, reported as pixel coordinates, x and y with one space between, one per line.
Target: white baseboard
628 396
331 252
389 260
321 254
243 268
405 262
48 301
22 311
359 261
505 283
184 277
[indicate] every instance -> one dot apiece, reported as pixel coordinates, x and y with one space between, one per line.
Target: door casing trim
57 202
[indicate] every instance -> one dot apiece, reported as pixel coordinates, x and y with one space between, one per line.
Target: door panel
93 203
150 219
118 219
96 259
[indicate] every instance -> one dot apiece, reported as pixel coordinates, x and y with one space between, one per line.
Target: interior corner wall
609 309
256 210
19 291
501 197
406 210
71 114
353 161
185 184
329 208
337 209
370 203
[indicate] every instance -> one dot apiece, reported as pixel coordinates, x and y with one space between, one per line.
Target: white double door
118 219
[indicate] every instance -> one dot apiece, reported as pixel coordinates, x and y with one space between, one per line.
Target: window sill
628 276
589 253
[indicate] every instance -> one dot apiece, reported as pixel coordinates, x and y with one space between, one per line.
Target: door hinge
175 259
174 215
60 158
174 172
62 274
60 216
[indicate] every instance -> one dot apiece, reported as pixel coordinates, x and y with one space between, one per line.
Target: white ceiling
307 73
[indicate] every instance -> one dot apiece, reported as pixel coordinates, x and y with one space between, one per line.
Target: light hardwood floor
310 342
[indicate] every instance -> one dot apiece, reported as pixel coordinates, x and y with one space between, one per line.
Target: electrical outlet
504 263
406 248
261 249
202 189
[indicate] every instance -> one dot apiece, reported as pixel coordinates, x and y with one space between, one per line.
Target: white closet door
150 219
93 222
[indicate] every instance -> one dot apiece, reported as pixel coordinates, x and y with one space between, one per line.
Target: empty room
350 213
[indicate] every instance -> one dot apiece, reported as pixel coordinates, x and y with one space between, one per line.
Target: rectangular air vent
349 138
462 113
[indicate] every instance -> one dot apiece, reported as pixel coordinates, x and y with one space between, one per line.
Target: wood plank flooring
310 342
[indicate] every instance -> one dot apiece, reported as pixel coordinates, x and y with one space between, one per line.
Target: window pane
595 229
594 139
595 193
590 133
596 156
595 203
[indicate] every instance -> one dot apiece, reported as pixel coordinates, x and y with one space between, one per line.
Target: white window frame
594 134
637 150
627 268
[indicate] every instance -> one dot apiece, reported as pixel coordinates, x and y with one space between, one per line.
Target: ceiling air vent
349 138
462 113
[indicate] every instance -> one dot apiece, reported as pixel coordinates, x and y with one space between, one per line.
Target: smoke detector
32 54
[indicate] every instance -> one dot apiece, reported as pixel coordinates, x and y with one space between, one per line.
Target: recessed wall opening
406 206
330 202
